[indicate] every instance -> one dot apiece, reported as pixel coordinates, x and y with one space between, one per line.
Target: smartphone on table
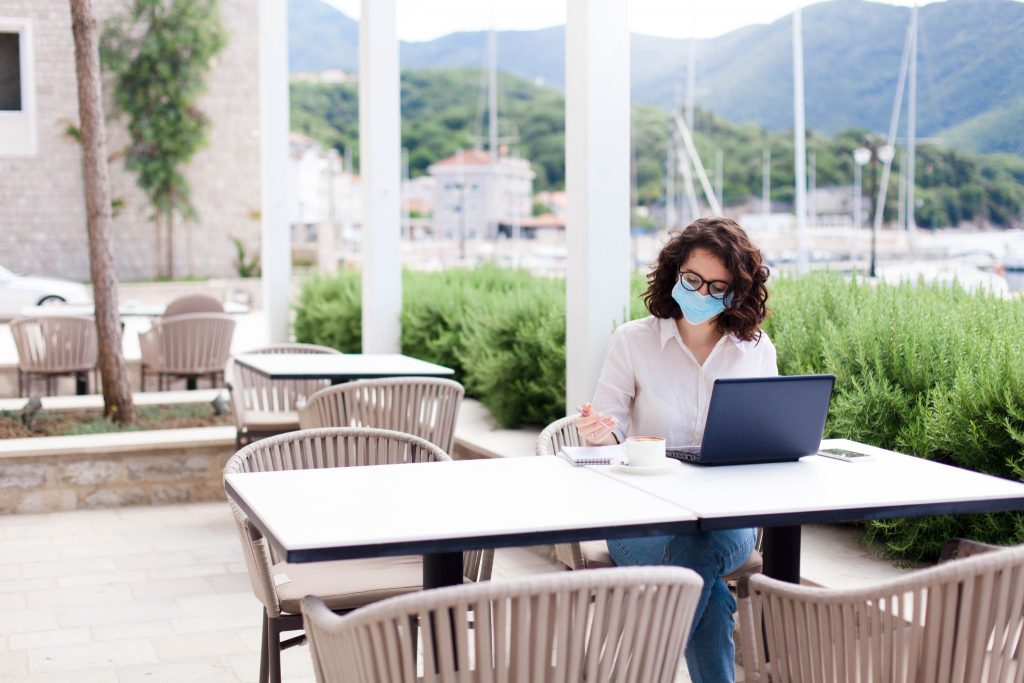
844 454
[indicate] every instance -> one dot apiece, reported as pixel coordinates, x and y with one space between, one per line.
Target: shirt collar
670 331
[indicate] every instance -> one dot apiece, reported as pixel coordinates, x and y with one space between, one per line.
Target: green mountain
442 112
997 130
969 64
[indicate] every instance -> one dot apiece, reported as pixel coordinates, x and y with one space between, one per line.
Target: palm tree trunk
170 245
159 245
117 391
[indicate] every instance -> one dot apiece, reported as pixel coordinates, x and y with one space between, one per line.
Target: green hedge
937 372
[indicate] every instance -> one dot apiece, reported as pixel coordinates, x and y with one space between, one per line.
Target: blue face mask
698 308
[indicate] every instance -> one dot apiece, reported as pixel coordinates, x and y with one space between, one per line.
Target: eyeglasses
693 282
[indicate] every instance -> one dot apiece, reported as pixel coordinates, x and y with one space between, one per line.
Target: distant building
42 201
324 204
477 199
553 201
327 76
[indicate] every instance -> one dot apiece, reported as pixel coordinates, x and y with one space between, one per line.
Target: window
10 71
17 89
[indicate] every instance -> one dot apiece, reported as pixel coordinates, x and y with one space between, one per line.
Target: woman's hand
596 429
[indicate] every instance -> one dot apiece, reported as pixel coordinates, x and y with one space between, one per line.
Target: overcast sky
428 19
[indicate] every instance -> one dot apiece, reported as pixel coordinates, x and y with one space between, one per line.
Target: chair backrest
55 344
195 343
550 441
621 624
957 622
423 406
313 449
251 391
193 303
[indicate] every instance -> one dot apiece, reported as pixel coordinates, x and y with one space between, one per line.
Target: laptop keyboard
684 454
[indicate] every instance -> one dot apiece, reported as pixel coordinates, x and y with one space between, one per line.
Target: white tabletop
340 366
352 512
818 489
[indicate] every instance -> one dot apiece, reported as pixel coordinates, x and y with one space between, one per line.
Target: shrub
932 371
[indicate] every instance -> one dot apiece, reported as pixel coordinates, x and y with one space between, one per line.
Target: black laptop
762 419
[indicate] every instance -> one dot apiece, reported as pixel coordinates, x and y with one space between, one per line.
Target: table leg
442 569
781 553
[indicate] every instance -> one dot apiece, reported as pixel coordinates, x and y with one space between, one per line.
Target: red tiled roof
467 157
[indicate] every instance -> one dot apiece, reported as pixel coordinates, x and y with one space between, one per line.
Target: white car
18 292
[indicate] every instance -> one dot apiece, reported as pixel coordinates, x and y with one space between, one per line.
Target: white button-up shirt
654 386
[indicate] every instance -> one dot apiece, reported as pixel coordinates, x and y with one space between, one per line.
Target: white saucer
669 465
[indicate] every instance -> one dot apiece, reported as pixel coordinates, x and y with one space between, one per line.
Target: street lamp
861 156
873 151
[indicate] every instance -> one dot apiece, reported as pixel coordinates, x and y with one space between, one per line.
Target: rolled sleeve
616 386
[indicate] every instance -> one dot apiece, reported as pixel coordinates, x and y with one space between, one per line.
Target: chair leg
274 651
264 647
142 376
21 383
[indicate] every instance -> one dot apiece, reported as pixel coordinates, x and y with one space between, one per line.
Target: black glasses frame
728 287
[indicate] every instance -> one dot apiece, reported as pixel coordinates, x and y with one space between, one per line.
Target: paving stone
209 670
115 653
202 645
70 636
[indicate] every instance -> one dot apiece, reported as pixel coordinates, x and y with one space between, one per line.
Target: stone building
42 206
474 198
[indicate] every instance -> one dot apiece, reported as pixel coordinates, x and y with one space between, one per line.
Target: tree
117 392
160 55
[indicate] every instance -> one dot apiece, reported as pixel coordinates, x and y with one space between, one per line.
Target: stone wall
42 212
113 470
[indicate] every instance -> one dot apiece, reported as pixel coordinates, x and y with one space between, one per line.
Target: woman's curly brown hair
725 239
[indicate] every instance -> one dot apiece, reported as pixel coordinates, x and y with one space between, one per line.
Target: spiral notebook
592 455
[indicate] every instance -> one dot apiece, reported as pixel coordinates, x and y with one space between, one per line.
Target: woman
707 299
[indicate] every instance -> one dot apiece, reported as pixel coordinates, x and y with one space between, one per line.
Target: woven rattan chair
344 585
422 406
52 346
193 303
957 622
594 554
265 407
624 624
192 345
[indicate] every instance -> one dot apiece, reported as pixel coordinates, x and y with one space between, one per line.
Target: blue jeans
710 652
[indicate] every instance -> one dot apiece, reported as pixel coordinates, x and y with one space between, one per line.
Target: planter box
55 473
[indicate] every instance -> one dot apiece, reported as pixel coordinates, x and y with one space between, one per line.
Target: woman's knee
711 552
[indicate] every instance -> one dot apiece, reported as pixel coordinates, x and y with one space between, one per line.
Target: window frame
18 128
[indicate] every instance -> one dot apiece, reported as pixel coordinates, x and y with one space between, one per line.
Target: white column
275 233
379 165
597 184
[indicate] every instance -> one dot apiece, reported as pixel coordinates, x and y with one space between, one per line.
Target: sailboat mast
912 122
492 93
799 141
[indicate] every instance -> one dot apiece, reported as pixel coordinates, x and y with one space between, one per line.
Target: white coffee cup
645 451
